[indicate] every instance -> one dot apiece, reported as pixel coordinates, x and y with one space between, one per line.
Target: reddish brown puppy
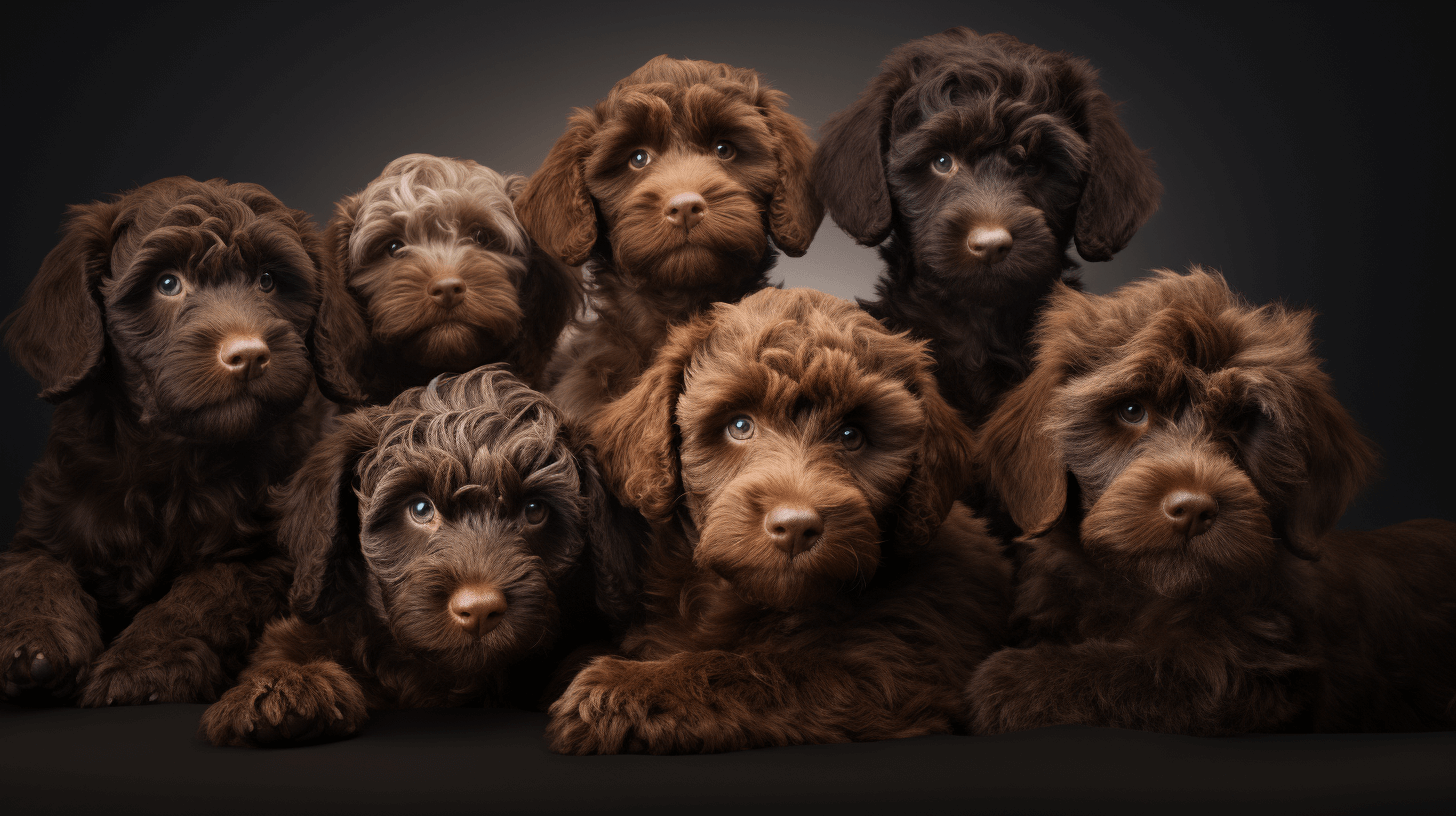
1177 458
808 577
440 277
442 543
669 190
169 326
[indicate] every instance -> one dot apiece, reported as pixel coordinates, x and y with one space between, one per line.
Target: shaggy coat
1177 459
808 578
441 543
669 190
976 160
170 327
440 277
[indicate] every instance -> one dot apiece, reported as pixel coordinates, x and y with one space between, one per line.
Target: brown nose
793 528
244 357
1190 512
989 244
686 210
447 291
477 608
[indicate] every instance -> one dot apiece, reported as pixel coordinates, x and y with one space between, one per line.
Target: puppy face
1199 433
205 291
454 513
685 163
808 439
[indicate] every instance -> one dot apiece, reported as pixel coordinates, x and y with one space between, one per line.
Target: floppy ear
942 471
57 334
1121 191
340 336
849 166
318 519
1338 463
555 206
1024 465
614 537
551 295
635 435
795 212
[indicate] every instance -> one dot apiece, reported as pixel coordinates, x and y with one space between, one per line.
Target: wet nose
793 528
686 210
477 609
447 291
1190 512
989 245
244 356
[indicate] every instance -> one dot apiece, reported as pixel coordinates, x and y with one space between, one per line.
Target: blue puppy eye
421 510
169 285
740 427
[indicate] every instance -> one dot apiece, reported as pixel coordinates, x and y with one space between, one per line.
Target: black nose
1190 512
989 244
685 210
793 528
477 608
447 291
244 356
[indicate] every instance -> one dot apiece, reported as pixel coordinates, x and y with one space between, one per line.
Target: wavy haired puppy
441 277
669 190
169 326
808 578
976 160
1177 459
440 543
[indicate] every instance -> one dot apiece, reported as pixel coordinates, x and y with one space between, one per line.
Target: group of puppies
416 460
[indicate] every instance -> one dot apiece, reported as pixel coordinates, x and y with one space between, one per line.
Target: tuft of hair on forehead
681 73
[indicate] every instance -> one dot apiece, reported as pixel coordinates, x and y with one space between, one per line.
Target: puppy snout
447 291
477 608
794 528
245 357
1190 512
685 210
989 245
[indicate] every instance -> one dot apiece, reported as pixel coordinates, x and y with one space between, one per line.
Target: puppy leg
184 647
291 693
48 630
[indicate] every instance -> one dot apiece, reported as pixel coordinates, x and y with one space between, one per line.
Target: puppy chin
765 576
234 420
453 346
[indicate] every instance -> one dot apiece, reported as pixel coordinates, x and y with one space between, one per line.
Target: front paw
46 657
283 704
1019 689
617 706
133 672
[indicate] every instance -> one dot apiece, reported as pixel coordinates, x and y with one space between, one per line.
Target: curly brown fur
441 542
811 581
441 277
722 169
1177 458
1033 159
171 327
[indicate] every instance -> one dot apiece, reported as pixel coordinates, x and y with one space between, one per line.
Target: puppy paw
133 672
46 658
617 706
287 704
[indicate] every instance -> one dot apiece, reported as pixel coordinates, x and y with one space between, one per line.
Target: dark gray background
1298 145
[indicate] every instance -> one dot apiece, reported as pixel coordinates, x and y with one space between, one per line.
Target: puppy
440 277
1177 458
669 190
170 327
440 542
976 160
808 579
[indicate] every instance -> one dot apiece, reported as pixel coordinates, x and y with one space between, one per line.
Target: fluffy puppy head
454 514
985 156
1199 433
440 276
796 440
194 299
680 176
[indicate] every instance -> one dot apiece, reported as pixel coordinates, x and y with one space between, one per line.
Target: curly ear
340 336
1023 464
942 471
795 212
555 206
1338 463
551 295
57 334
613 549
635 435
1122 190
849 165
318 519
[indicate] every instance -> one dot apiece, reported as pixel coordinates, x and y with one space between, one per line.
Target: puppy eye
422 511
942 163
740 427
639 159
485 238
1132 413
393 247
265 282
1029 167
851 438
535 512
169 285
725 150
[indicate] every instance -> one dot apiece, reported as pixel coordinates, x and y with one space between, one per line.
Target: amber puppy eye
535 512
740 427
422 511
1132 413
942 163
394 247
265 282
851 438
725 150
169 285
639 159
